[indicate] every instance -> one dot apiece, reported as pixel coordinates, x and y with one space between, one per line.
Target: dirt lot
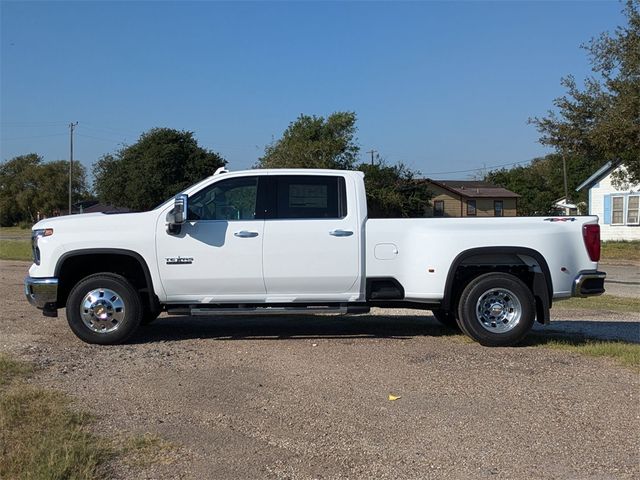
308 397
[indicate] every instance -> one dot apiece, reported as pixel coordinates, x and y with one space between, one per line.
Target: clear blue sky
440 86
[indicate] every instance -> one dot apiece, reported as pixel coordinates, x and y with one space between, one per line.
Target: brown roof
474 189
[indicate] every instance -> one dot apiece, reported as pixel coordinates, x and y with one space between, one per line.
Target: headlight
35 235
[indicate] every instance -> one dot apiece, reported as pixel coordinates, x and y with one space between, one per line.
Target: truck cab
269 236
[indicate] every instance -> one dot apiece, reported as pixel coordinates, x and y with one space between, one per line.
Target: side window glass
233 199
303 196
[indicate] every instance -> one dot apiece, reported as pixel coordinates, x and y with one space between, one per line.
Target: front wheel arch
75 265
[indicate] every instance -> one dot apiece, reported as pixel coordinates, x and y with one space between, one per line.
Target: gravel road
307 397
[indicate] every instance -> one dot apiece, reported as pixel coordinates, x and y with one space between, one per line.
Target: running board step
214 312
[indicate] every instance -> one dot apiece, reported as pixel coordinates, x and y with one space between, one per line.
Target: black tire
108 317
496 309
446 318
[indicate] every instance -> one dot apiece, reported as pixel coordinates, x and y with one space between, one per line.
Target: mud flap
541 294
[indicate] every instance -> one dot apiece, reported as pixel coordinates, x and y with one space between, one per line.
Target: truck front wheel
496 309
104 308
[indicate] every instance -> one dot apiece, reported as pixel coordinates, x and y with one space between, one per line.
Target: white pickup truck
299 241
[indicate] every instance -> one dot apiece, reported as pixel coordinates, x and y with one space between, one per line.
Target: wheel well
523 263
75 267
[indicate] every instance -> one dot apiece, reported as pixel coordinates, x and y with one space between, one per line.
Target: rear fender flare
542 287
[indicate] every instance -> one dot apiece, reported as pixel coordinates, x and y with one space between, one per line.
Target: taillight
591 235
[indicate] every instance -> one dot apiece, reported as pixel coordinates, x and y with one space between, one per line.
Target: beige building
466 198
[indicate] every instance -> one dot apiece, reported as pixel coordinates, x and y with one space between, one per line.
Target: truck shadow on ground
293 327
617 331
400 327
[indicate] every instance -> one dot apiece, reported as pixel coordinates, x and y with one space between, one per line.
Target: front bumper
588 284
42 292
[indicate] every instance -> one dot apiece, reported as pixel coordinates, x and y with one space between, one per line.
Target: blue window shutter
607 209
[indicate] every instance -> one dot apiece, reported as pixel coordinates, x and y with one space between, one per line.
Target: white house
618 209
567 208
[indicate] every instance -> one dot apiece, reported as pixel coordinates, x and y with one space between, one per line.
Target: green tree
55 197
17 188
315 142
601 121
541 182
393 191
161 163
29 186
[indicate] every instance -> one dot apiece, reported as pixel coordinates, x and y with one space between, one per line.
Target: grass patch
148 449
620 250
624 353
40 436
15 250
43 437
10 369
610 303
16 231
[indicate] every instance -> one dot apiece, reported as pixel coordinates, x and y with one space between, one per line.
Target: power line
109 130
479 168
33 136
28 124
101 138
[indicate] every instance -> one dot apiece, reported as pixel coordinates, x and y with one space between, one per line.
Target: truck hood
68 220
91 220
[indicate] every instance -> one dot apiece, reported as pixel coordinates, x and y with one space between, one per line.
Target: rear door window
306 196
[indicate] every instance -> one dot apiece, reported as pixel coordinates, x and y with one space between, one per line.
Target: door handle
246 234
341 233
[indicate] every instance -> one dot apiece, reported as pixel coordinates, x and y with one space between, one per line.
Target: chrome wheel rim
102 310
498 310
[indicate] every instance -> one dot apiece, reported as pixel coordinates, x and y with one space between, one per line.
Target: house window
617 210
438 208
471 208
498 208
633 210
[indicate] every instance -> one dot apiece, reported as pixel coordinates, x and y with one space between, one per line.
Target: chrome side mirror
178 214
180 207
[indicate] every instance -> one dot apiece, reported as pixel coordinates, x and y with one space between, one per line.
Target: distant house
101 207
567 208
467 198
93 206
618 209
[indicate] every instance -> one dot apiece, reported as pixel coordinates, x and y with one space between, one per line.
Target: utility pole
564 173
566 191
72 125
372 152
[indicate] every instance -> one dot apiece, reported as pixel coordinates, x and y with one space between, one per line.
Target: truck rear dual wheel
104 308
496 309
